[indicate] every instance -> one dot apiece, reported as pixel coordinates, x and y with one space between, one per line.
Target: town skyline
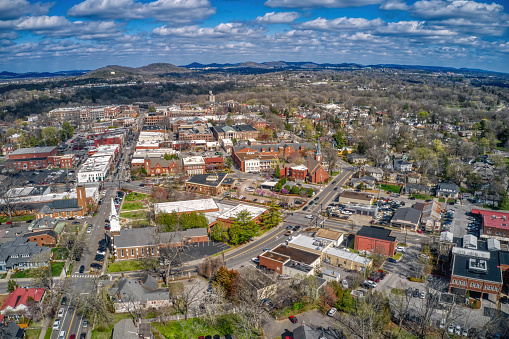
42 36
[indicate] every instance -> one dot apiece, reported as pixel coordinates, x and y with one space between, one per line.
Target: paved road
320 202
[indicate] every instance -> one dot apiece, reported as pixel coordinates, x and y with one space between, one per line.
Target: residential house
132 329
447 190
376 240
431 214
260 285
11 330
15 306
402 165
358 159
366 182
304 331
136 293
22 254
374 172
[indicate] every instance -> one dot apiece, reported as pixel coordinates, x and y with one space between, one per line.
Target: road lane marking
72 319
346 175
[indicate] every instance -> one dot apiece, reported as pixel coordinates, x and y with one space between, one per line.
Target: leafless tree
95 306
331 158
186 299
209 266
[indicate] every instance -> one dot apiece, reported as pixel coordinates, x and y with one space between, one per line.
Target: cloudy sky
87 34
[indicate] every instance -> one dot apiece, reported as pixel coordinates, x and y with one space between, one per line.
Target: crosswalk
84 276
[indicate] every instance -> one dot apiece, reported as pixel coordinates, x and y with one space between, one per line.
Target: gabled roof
20 295
64 204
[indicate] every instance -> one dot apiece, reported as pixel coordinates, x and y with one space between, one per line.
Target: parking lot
42 177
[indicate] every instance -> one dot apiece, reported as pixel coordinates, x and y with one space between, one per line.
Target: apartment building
194 165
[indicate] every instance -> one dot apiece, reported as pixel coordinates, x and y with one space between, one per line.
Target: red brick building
28 159
376 240
43 238
494 224
311 171
158 166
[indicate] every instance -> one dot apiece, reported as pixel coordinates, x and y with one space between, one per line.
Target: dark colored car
107 227
98 257
392 260
228 336
293 319
216 336
82 269
29 221
73 336
408 292
416 293
83 335
64 301
504 300
102 243
96 266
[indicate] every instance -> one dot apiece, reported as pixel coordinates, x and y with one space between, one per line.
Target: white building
252 165
194 165
95 169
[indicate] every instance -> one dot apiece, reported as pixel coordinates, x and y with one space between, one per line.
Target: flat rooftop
356 195
296 254
499 219
275 256
186 206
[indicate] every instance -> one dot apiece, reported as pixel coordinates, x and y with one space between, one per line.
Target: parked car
56 325
85 323
60 312
62 335
293 319
332 311
408 292
82 269
442 323
416 293
457 330
392 260
256 260
450 329
83 335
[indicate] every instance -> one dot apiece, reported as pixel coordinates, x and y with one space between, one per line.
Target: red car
419 231
293 319
73 336
9 222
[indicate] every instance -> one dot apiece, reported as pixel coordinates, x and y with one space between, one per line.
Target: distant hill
152 69
11 75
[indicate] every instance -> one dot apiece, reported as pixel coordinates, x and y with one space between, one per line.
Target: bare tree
95 306
186 297
331 158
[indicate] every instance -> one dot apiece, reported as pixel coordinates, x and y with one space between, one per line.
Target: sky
64 35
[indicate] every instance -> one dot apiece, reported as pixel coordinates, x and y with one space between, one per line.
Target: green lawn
104 332
133 196
134 215
56 268
17 218
125 265
129 206
421 196
32 333
3 276
225 324
48 333
71 267
60 253
397 256
21 274
393 188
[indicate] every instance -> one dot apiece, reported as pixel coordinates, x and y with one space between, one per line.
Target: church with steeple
311 170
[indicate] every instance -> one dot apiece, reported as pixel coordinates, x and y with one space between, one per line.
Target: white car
309 216
80 217
89 229
61 312
450 329
457 330
442 323
332 311
62 335
400 248
101 252
56 324
256 260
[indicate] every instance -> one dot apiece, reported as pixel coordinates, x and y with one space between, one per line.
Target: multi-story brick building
194 165
239 132
206 183
495 224
42 238
479 267
28 159
376 240
157 165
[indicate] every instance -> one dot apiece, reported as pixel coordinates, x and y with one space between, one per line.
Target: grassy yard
393 188
125 265
32 333
60 253
198 327
134 196
17 218
397 256
421 196
49 331
129 206
56 268
21 274
133 215
104 332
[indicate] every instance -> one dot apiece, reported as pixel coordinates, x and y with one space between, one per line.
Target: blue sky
88 34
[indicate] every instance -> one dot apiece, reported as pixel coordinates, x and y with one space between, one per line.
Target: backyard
104 332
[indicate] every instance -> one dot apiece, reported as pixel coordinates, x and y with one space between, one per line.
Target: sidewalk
44 328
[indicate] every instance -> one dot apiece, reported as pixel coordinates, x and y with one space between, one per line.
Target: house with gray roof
22 254
406 217
447 190
132 293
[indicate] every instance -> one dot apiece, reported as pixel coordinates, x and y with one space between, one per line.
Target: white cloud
223 30
176 11
60 27
320 3
413 28
341 24
13 9
392 5
278 18
441 9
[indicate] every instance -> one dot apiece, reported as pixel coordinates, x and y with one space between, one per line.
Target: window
121 253
142 251
152 251
132 252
